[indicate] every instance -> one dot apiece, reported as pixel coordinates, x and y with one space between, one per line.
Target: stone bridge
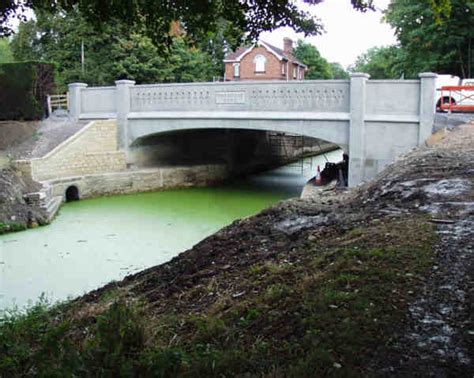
374 121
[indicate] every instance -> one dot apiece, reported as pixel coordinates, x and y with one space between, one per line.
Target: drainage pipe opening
72 193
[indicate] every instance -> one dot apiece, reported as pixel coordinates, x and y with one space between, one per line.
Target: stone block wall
144 180
92 150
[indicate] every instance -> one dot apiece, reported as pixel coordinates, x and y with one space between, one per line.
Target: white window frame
236 69
260 63
294 72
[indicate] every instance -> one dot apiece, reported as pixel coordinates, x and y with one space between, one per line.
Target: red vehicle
455 94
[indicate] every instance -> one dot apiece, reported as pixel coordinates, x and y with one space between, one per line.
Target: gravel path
50 133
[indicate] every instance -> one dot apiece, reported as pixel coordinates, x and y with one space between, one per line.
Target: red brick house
263 61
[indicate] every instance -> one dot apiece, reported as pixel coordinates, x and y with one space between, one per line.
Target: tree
198 16
112 52
318 67
6 55
338 72
433 41
380 63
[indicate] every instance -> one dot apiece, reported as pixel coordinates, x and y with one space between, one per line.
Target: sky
348 33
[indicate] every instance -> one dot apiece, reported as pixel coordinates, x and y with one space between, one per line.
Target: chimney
288 46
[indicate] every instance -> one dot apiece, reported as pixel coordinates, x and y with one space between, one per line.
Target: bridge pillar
123 108
357 128
427 105
75 97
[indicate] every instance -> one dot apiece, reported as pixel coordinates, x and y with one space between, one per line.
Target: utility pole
82 57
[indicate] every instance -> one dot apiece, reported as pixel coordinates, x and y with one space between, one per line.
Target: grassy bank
325 306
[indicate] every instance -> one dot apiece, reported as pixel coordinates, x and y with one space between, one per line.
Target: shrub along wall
23 89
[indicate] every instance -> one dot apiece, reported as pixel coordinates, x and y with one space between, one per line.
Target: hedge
23 89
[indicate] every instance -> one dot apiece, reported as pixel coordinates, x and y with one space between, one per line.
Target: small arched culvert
72 193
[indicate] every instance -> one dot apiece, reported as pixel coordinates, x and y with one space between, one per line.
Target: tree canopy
380 63
437 39
432 41
338 72
318 67
6 55
198 17
111 53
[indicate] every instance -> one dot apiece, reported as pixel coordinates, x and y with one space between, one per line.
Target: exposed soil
403 296
377 281
21 140
15 213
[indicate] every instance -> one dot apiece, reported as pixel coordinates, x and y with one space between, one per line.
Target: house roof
237 55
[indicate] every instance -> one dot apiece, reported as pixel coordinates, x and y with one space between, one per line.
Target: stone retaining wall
92 150
144 180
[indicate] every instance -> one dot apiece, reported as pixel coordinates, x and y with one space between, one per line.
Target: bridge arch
242 151
333 131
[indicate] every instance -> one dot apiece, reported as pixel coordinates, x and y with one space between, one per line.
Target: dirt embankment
23 140
15 213
379 283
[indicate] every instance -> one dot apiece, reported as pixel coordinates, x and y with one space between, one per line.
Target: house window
283 69
300 73
260 62
236 69
294 72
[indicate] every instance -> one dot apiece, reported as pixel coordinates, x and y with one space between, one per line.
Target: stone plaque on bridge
230 97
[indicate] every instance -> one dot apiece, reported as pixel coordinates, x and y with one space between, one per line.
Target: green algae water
93 242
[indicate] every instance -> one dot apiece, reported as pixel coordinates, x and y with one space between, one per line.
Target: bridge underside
334 131
241 151
381 141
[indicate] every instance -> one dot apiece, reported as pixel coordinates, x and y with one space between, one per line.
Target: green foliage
439 38
37 329
11 227
380 63
318 67
21 97
338 72
200 17
6 55
39 342
112 52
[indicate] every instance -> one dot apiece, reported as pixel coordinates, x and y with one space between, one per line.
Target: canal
93 242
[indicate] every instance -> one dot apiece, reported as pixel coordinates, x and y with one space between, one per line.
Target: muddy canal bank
378 283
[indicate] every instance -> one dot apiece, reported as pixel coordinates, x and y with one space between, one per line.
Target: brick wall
273 67
92 150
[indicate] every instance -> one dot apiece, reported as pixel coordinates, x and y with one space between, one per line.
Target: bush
23 89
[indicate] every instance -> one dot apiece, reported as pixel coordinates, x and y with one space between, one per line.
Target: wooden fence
57 102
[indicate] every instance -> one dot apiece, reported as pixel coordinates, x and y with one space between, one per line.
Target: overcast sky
348 33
